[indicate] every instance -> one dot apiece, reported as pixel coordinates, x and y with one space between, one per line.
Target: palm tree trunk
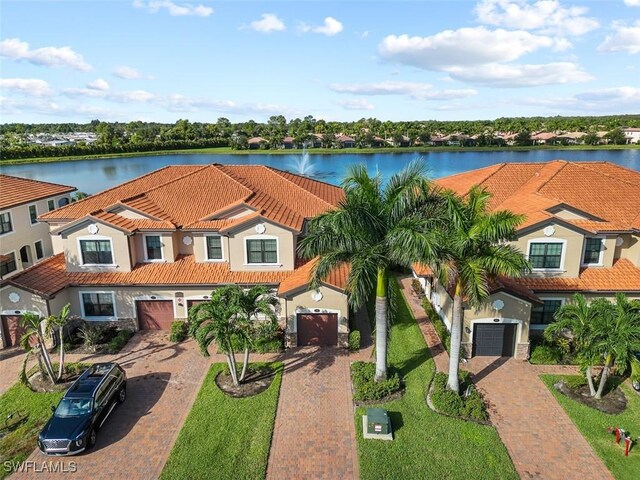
61 366
456 340
48 367
592 390
233 367
603 377
244 365
381 326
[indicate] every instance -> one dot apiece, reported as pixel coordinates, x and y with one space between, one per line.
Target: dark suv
83 410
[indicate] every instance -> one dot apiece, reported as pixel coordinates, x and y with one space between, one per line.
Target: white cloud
543 15
98 84
623 94
269 23
129 73
16 49
330 27
632 3
419 91
608 100
356 104
624 38
37 105
465 46
174 9
504 75
126 96
33 87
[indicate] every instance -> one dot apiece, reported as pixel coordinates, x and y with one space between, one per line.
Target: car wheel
122 395
91 438
636 385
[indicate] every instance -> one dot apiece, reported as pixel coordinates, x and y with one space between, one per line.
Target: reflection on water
99 174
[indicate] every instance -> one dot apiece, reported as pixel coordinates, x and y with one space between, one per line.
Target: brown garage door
154 314
317 329
12 330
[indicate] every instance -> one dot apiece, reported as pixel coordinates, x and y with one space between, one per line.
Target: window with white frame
33 214
544 314
98 304
593 249
39 250
153 247
214 247
545 254
51 204
263 250
96 252
5 223
8 263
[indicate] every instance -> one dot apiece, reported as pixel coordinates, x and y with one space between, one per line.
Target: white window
8 263
546 253
51 205
39 250
153 248
261 250
98 305
593 251
96 250
33 214
213 248
6 225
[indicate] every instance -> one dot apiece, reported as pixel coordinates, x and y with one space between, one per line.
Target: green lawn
225 437
19 444
426 444
593 426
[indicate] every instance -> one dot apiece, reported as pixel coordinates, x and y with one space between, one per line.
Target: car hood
65 427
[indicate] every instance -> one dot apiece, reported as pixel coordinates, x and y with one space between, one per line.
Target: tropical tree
59 321
474 248
577 319
33 340
373 227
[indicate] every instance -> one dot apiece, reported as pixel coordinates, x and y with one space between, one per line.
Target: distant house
317 139
346 141
438 140
287 143
378 141
256 142
632 135
543 138
572 138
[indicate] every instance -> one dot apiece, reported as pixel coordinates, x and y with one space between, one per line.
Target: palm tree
253 302
474 249
577 318
31 323
59 321
617 336
374 227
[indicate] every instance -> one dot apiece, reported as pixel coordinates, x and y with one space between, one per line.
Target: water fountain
303 165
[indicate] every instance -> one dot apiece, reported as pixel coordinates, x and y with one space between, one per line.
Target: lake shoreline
317 151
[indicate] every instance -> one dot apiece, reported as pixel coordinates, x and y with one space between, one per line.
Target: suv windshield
73 407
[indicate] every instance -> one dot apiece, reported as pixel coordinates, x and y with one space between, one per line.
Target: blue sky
161 60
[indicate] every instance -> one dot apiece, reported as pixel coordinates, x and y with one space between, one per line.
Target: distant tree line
117 137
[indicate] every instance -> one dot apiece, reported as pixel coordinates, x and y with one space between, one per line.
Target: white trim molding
152 298
34 205
261 237
206 247
501 321
98 318
35 251
96 237
584 249
549 240
13 225
146 252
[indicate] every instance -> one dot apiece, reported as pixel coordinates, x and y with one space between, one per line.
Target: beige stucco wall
572 250
286 246
302 302
184 249
119 240
28 302
199 250
27 234
514 309
168 246
442 303
630 248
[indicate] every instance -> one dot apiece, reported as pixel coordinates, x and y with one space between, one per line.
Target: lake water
92 176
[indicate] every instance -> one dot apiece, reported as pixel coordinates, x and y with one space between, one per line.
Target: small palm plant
32 341
59 321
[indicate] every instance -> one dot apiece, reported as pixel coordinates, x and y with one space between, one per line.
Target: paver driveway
10 365
134 443
314 434
542 440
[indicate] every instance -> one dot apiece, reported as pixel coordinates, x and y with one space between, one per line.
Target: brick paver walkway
10 365
134 443
314 435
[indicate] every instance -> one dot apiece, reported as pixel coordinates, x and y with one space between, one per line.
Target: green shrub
417 288
545 354
575 381
366 388
178 331
354 340
91 336
451 403
438 324
119 341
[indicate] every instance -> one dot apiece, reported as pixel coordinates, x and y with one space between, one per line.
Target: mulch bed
613 402
40 383
254 383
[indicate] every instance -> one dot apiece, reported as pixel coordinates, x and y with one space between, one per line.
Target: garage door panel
317 329
155 314
493 340
12 329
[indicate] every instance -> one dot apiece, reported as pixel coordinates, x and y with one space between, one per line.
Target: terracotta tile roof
187 195
623 276
422 270
50 276
17 191
301 277
607 192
